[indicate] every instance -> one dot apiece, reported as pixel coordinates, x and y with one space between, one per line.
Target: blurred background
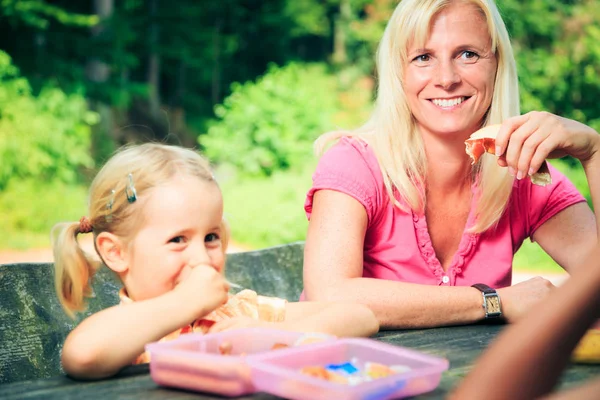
251 83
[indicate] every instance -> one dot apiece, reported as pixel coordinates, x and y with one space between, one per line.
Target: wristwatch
491 301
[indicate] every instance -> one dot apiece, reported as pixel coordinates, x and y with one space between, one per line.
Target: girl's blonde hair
150 165
391 130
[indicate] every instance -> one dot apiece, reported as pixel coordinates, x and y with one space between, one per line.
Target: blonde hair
391 129
150 165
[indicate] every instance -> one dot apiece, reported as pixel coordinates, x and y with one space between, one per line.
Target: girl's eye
177 239
211 237
469 56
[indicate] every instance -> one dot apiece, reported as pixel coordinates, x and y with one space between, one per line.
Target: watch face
493 304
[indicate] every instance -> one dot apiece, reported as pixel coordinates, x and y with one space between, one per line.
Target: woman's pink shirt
397 244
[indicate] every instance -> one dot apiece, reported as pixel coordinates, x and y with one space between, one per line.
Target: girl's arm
339 319
111 339
333 268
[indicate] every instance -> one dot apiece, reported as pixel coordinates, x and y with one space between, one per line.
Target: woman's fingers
505 132
518 139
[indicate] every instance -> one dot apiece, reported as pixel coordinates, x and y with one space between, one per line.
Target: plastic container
279 373
194 361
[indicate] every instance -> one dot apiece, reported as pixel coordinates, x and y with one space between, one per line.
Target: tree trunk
216 71
98 72
153 77
341 24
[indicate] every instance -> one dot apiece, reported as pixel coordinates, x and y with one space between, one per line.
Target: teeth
448 102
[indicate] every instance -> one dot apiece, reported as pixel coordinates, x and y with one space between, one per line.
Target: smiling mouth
449 102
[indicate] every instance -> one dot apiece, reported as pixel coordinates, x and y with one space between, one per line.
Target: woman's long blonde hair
391 130
150 165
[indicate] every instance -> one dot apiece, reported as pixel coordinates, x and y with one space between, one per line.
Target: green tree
46 136
270 124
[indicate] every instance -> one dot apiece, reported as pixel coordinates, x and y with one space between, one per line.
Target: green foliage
38 13
44 137
32 206
265 212
270 124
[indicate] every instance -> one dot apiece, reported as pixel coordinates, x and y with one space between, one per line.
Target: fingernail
520 175
498 151
511 171
530 172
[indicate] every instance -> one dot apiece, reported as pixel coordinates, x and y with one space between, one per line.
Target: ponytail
73 270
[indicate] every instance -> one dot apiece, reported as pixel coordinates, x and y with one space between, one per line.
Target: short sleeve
349 167
544 202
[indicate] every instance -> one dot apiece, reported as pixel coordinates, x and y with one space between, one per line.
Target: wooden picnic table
461 345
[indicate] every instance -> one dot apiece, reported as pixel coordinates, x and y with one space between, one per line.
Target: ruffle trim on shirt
465 250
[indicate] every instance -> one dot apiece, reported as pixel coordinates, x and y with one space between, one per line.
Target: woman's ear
112 251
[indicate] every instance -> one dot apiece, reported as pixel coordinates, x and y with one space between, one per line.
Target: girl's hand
238 323
204 289
525 141
516 300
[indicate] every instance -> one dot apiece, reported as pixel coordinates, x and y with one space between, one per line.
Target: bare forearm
339 319
407 305
111 339
592 172
531 368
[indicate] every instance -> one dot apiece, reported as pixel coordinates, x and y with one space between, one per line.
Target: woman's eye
177 239
211 237
423 58
469 56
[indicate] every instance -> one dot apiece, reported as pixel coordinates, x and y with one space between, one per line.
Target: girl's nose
199 256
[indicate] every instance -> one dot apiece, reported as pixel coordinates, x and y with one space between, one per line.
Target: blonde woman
399 218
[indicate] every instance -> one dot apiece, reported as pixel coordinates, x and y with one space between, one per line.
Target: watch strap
489 292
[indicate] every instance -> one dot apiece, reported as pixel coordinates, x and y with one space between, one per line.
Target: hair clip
130 190
109 206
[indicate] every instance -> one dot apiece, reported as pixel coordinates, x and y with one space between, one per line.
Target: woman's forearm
592 172
406 305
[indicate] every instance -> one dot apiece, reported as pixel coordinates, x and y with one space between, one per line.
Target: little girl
156 213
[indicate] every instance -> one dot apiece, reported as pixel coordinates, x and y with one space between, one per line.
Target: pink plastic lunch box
193 362
278 372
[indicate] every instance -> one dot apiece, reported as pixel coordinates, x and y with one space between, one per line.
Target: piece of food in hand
484 141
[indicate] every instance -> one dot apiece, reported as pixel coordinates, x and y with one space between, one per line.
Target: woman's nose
447 76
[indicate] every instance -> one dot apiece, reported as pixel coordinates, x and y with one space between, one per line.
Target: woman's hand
238 323
516 300
204 289
525 141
